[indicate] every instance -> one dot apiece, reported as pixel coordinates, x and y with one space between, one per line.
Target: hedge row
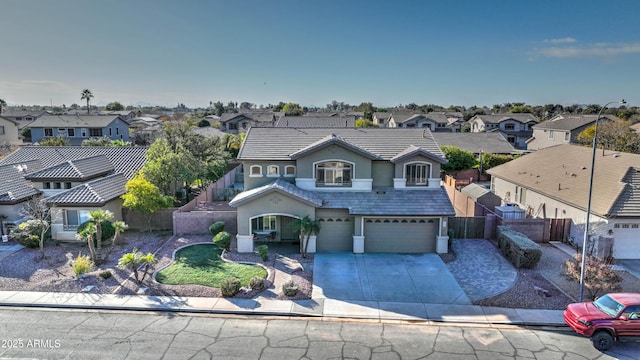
518 248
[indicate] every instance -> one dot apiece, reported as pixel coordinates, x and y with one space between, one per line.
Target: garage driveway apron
385 277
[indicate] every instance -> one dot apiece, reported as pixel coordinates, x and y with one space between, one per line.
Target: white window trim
269 174
404 170
353 171
251 174
551 135
290 167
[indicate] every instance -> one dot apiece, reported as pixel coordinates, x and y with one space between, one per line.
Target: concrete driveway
419 278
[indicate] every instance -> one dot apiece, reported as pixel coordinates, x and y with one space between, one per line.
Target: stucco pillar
311 246
358 244
245 243
442 246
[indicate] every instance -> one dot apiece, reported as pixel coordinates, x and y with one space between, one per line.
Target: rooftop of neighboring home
14 187
487 142
314 120
77 170
258 116
376 143
498 118
127 160
562 172
569 122
74 121
437 116
20 113
208 131
94 193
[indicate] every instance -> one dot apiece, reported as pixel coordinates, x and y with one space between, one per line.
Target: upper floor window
417 174
273 170
232 126
333 173
290 170
511 139
95 132
46 185
550 134
48 132
509 127
255 170
67 185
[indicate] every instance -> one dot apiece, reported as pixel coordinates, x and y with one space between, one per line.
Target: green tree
520 109
307 227
134 260
368 109
141 195
169 168
55 141
613 135
492 160
114 106
365 123
86 95
457 159
292 109
119 227
218 108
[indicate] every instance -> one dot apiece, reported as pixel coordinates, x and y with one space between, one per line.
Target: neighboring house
23 116
235 123
553 183
322 121
381 118
74 180
208 131
434 121
372 190
516 128
9 134
489 143
77 128
562 129
124 114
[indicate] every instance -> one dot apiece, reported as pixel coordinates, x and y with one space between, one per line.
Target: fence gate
467 227
559 230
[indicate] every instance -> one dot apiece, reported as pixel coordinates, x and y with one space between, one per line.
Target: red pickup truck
607 319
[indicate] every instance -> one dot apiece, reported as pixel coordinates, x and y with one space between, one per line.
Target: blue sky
441 52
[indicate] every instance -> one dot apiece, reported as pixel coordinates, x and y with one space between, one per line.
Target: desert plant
222 240
256 283
290 288
134 260
229 287
263 251
306 226
599 278
216 227
105 274
106 227
81 265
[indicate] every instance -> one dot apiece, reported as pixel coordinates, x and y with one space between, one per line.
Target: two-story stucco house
372 190
554 182
77 128
434 121
562 129
516 128
236 123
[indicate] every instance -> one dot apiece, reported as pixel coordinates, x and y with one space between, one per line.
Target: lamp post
586 227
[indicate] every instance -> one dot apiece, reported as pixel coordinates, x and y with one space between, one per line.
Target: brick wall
160 220
198 222
534 229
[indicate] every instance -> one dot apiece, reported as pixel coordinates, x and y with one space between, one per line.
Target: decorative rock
88 288
143 291
542 292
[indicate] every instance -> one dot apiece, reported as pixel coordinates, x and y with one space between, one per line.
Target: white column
442 246
245 243
358 244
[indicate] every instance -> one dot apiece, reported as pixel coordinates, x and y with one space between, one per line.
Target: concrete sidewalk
320 308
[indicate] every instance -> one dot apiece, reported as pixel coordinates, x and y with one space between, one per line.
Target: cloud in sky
566 40
584 51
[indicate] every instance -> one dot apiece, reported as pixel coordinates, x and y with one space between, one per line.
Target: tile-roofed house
364 186
486 142
562 129
553 182
52 171
235 123
516 127
77 128
23 117
14 190
434 121
316 121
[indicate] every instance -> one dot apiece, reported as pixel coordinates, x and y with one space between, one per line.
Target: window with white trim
273 171
550 134
255 170
263 223
73 218
333 173
417 174
566 137
509 127
290 170
48 132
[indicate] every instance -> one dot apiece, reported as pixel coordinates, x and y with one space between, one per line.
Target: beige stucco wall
541 139
275 203
362 165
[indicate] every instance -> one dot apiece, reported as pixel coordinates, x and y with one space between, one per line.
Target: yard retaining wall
160 220
197 222
534 229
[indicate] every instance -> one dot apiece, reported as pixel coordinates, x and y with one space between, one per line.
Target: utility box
510 212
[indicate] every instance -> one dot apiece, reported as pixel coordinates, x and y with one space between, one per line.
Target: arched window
417 174
255 170
273 171
334 173
290 170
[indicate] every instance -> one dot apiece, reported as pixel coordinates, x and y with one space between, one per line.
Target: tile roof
125 159
94 193
570 122
562 173
316 121
78 170
488 142
498 118
74 121
13 186
260 142
208 132
329 140
414 150
281 186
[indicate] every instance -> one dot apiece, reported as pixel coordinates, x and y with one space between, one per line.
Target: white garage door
400 235
626 241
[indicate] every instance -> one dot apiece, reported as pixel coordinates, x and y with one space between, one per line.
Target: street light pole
586 227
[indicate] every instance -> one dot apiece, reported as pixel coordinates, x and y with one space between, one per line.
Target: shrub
27 234
203 123
81 265
290 288
105 274
256 283
519 249
263 251
599 277
29 241
229 287
216 227
222 240
107 229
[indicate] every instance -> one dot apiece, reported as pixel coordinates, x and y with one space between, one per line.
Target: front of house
371 190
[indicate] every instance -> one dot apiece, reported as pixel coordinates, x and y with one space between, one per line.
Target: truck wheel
602 340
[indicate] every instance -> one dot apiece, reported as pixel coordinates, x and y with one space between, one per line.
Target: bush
230 287
27 234
222 240
290 288
519 249
263 251
105 274
29 241
216 227
256 283
107 229
599 277
203 123
81 265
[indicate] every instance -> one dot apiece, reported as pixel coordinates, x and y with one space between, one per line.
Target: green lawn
201 264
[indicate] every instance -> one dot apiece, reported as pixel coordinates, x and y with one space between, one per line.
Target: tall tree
292 109
145 197
114 106
87 95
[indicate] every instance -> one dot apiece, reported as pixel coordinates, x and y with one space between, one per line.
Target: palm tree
307 227
119 227
87 235
3 104
134 260
98 217
86 95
